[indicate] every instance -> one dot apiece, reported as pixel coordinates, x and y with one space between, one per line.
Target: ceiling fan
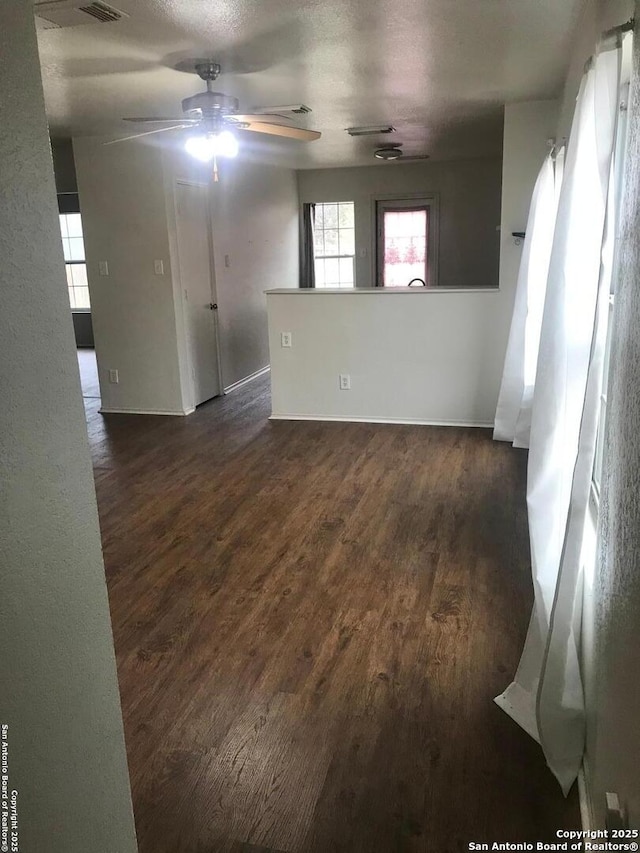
394 152
214 116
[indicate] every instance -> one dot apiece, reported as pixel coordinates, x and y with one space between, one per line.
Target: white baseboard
586 802
401 421
247 379
109 410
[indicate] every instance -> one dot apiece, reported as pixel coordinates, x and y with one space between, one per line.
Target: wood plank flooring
311 620
88 372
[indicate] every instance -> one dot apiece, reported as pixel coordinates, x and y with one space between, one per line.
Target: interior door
194 259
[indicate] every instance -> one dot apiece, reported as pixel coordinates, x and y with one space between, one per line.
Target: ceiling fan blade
145 133
286 121
406 157
156 120
298 133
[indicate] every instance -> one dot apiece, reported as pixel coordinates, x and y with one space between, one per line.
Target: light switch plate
158 267
103 267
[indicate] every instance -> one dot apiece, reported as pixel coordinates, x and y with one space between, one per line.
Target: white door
407 242
194 259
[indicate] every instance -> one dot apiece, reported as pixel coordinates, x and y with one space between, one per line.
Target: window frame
341 256
83 264
70 263
406 201
620 163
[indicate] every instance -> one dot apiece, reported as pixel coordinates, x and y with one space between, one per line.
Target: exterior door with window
406 230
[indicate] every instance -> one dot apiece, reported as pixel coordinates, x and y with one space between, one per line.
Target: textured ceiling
440 71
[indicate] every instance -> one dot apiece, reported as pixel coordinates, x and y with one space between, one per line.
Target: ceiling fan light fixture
205 147
227 144
389 153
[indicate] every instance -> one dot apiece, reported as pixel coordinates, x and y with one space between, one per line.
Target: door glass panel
405 246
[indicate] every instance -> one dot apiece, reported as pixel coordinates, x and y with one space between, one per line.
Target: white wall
426 356
127 202
469 198
255 226
527 126
122 198
58 687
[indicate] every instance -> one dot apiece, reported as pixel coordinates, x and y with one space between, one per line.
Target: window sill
385 291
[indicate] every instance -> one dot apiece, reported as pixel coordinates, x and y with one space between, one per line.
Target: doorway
196 280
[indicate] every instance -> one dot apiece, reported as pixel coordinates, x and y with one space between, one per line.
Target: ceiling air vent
103 13
56 14
371 130
298 109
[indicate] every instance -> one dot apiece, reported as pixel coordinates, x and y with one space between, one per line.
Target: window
74 258
619 164
406 242
334 244
599 454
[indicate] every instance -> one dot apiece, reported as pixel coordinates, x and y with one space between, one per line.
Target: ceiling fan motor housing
211 103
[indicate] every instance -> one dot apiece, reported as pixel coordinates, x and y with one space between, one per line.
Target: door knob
213 306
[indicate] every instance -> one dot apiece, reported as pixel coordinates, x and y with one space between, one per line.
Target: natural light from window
405 246
334 244
74 258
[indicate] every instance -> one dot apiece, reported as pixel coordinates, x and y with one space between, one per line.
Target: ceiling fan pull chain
215 169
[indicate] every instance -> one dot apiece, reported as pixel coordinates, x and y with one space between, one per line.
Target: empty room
319 428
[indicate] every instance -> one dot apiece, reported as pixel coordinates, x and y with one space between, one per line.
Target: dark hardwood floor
88 372
311 620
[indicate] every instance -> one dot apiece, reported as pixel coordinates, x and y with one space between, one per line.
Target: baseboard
586 802
109 410
401 421
247 379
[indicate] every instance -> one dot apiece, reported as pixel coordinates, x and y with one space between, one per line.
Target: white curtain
546 697
513 413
